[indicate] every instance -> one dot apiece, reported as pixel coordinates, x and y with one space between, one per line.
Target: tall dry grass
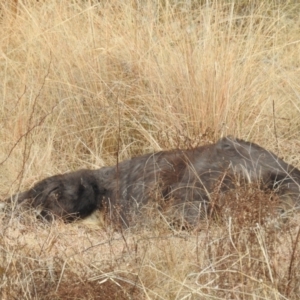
88 83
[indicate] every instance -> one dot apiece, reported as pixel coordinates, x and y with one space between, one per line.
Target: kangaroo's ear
31 194
19 198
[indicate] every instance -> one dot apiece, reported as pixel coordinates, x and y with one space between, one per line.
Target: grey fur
186 178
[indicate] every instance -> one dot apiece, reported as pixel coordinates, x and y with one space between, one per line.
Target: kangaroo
184 178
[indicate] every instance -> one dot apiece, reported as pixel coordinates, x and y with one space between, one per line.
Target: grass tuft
87 83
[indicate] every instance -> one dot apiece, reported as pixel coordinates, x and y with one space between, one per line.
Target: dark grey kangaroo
185 178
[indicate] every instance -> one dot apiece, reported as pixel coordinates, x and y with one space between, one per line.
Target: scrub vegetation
86 84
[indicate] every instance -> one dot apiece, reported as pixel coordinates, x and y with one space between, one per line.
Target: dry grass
85 84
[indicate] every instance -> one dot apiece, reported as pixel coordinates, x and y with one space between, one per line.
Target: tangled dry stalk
87 84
